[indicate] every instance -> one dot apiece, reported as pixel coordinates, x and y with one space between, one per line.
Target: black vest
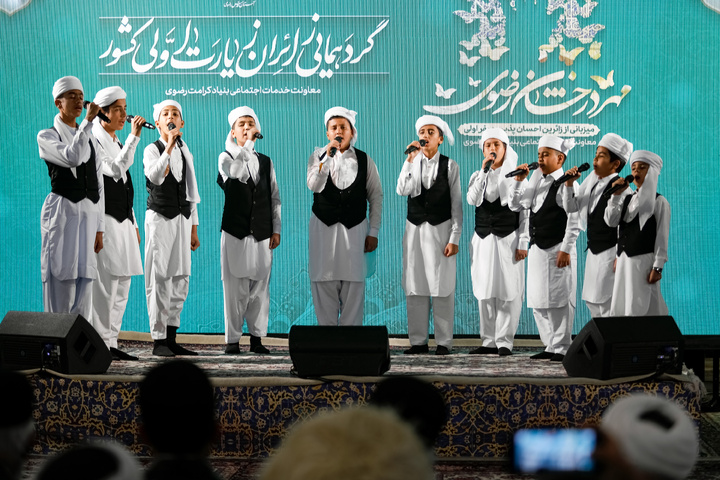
348 206
169 199
631 239
547 225
600 237
493 217
248 206
433 205
65 184
119 197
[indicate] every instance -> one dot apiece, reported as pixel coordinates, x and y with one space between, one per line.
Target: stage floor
258 400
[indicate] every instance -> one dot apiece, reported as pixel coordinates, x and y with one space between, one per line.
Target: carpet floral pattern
254 417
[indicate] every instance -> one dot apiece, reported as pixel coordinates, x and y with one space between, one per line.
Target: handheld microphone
258 136
171 126
333 150
100 114
487 166
412 148
129 119
567 176
514 173
614 189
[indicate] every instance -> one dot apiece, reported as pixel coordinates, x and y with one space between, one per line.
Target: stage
258 400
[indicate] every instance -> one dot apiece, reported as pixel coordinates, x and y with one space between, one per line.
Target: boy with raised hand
552 260
250 231
344 180
431 181
590 201
643 220
119 259
72 219
499 246
170 227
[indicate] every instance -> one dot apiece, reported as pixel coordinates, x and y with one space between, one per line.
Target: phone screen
548 450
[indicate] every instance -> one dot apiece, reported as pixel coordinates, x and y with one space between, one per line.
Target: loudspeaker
613 347
63 342
317 351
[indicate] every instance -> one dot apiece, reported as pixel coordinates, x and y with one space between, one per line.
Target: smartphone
545 450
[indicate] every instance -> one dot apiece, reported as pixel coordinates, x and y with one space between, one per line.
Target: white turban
108 96
230 144
157 108
344 113
511 156
243 112
66 84
618 145
647 194
556 143
668 448
438 122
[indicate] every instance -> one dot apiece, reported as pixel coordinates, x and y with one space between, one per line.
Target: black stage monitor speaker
317 351
614 347
63 342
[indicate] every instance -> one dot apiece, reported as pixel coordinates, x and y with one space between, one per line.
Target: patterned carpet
224 368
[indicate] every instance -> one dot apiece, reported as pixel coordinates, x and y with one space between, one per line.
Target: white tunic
547 285
426 270
167 241
599 273
495 272
68 229
120 255
246 257
632 294
337 253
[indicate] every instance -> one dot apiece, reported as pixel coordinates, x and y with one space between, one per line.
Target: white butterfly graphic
604 82
464 60
441 92
474 83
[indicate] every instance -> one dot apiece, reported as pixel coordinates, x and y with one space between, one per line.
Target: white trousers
245 300
110 297
418 312
339 302
599 309
499 321
555 327
165 300
68 296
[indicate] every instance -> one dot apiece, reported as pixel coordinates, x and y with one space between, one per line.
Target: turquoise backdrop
648 70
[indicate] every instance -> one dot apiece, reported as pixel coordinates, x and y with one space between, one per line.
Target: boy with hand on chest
431 182
552 260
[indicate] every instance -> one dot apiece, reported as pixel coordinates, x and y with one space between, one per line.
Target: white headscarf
511 156
157 108
108 96
562 145
230 144
344 113
243 112
647 193
618 145
438 122
66 84
670 451
509 163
